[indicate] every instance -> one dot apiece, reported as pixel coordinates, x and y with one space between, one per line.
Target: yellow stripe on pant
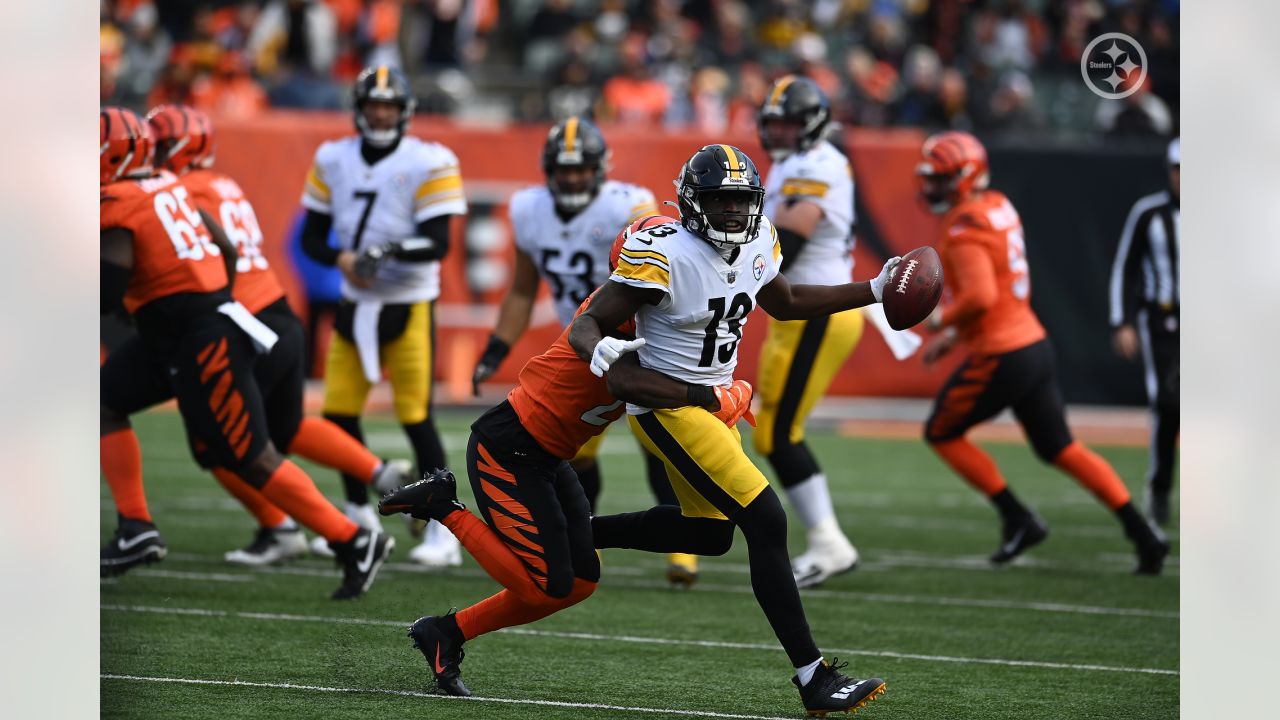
408 363
710 473
798 361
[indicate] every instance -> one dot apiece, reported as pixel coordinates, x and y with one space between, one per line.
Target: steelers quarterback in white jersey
690 288
389 197
563 232
809 197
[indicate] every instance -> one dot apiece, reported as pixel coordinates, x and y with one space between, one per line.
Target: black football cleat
443 654
136 542
830 690
1152 549
1020 536
431 498
361 558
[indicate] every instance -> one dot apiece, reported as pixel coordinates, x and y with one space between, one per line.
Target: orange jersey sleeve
172 250
256 283
558 399
984 260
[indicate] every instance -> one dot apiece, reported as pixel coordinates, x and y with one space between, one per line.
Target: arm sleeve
315 238
432 242
1126 271
789 244
974 282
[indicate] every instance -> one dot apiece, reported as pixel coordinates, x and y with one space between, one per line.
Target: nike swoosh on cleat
366 563
136 539
1013 541
438 667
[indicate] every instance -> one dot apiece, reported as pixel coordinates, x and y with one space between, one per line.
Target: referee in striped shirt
1144 319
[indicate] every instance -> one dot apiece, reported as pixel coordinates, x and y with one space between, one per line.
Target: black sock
663 529
357 490
793 463
1011 510
764 525
656 471
427 449
1136 527
589 477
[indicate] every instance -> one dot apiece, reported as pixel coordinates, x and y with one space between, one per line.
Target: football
914 288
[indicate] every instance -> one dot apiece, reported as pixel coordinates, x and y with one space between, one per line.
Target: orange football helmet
183 135
126 148
643 223
954 165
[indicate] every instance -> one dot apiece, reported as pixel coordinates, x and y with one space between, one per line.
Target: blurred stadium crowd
1008 67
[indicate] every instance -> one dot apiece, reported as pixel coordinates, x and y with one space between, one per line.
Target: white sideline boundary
595 637
431 696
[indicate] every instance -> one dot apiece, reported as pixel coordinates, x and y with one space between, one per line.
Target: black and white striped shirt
1145 273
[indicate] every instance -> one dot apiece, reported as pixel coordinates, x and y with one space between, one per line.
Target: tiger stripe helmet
126 148
954 165
643 223
183 136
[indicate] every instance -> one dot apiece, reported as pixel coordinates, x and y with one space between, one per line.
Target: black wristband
701 395
495 352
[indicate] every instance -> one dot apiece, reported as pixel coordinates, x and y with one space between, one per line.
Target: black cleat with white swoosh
830 690
1020 536
136 542
361 557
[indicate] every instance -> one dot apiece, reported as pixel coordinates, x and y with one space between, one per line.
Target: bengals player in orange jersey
1009 361
538 543
185 146
160 260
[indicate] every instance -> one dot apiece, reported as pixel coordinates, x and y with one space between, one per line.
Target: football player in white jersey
809 199
563 231
691 288
390 198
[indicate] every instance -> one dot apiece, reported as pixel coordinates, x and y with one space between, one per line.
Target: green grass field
1064 633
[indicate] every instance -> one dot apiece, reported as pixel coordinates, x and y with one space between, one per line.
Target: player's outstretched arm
116 267
785 301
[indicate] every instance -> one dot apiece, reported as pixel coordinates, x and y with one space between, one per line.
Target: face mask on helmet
383 106
574 186
720 196
575 160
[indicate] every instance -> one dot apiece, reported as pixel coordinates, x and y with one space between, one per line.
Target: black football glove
369 260
494 353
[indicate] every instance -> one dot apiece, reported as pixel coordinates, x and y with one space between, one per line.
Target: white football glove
878 282
608 350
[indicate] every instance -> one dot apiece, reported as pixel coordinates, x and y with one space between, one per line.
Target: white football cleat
363 515
393 475
830 553
439 548
270 547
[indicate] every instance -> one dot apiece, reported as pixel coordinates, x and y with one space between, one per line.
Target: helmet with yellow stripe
575 159
793 116
383 84
720 196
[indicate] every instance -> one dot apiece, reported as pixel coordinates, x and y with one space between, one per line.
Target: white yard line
431 696
280 617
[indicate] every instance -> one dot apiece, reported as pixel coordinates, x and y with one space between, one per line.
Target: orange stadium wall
269 156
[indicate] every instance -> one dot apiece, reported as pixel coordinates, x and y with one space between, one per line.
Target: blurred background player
1144 318
390 197
716 264
538 540
160 261
1010 362
185 145
563 231
809 200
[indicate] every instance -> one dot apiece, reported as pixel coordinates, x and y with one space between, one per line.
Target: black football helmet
720 196
797 100
387 84
575 142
